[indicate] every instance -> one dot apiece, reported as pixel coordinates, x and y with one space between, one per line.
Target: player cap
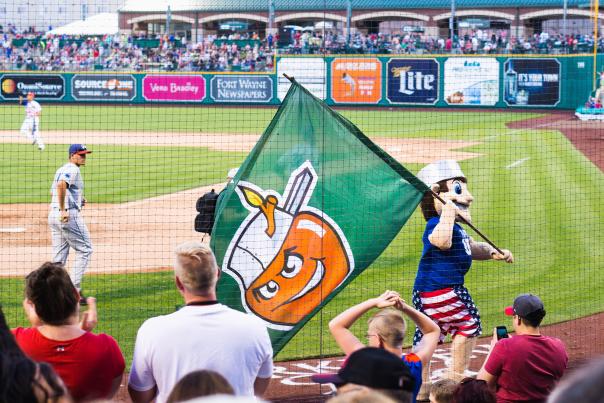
526 305
440 171
78 149
372 367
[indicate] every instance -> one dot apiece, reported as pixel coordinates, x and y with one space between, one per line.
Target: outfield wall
516 82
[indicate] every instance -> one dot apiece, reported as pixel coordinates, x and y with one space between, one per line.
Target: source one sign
95 87
44 86
173 88
241 88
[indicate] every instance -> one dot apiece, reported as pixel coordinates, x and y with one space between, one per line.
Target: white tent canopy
99 24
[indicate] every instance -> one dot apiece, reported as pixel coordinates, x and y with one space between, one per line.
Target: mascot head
446 179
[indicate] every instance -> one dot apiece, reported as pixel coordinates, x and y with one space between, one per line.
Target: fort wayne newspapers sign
105 87
241 89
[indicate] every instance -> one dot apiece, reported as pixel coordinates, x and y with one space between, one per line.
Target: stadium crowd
59 359
31 51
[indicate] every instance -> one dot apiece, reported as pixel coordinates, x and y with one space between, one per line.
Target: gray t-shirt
70 173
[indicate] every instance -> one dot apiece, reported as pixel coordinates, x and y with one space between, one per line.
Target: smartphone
502 332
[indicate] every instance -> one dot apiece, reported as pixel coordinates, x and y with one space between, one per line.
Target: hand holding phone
502 332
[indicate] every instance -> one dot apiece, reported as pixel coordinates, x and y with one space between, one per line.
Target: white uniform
31 125
74 232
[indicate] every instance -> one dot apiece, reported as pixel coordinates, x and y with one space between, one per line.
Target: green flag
312 206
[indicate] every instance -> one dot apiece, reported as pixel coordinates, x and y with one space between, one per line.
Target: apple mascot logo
286 256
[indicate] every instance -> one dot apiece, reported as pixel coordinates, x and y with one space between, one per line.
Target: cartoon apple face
459 194
309 265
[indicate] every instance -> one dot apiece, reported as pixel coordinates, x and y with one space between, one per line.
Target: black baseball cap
373 367
78 149
526 306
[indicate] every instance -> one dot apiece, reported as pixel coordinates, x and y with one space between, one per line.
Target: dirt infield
291 380
141 235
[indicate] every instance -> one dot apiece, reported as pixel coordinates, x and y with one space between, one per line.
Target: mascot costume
448 252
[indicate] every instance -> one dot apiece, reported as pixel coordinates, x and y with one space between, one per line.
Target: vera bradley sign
169 88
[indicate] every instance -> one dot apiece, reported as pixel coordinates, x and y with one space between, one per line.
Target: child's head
442 391
389 327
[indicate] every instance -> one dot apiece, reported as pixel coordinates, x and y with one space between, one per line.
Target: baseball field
535 194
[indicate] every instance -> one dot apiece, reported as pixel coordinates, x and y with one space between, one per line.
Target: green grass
390 123
548 210
113 174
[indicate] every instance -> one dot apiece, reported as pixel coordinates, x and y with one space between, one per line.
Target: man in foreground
202 335
527 366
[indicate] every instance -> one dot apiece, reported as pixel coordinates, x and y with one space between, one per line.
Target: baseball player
31 125
67 226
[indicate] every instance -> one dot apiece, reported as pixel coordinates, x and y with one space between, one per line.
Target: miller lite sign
412 81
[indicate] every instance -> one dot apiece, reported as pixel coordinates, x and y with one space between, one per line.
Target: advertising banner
356 81
103 87
173 88
412 81
471 81
51 86
531 82
311 72
241 88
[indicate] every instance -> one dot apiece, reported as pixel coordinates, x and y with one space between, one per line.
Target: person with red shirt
90 365
527 366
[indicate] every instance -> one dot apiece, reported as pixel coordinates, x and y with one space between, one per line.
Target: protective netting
172 97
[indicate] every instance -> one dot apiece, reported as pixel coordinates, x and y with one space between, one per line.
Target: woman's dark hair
21 378
471 390
50 289
200 383
427 203
8 344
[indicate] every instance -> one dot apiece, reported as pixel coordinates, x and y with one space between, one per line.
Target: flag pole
469 224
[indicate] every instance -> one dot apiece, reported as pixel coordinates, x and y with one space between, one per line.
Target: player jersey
70 173
32 108
440 269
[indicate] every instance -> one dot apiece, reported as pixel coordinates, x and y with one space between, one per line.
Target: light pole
452 20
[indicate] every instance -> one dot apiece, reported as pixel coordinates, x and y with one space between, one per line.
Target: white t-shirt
211 337
70 173
32 108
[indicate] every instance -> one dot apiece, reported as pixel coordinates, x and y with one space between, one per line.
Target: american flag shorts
452 309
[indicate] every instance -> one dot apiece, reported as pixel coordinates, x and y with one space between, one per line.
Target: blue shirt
440 269
414 364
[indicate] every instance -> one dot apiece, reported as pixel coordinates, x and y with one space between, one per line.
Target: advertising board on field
241 88
531 82
471 81
357 81
311 72
44 86
174 88
412 81
103 87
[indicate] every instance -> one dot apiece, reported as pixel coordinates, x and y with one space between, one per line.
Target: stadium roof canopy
99 24
262 5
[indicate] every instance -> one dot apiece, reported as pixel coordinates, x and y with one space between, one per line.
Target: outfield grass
547 210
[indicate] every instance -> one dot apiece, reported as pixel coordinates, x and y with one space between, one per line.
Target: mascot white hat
440 171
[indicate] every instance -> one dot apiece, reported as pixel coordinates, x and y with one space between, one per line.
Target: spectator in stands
442 391
202 335
386 330
585 385
90 365
527 365
23 380
471 390
376 369
200 383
